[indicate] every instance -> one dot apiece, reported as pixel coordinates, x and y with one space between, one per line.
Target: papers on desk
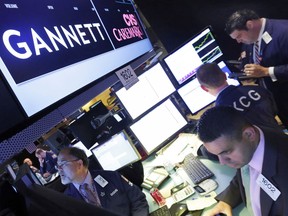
201 202
184 144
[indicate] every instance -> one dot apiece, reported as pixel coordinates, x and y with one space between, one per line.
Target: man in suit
107 189
47 161
255 102
263 153
265 53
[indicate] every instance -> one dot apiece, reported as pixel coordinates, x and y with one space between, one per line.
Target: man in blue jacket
264 54
107 189
254 102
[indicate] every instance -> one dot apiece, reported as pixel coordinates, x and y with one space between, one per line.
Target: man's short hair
221 120
77 153
210 75
238 20
39 151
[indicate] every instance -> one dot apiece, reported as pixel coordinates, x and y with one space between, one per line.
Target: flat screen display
195 97
96 125
80 145
117 152
49 49
160 124
152 87
185 60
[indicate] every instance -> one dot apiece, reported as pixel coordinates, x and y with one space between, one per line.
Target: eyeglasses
64 163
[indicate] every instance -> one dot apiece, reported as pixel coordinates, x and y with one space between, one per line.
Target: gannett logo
81 34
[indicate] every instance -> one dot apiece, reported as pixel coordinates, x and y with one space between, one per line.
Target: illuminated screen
184 61
80 145
40 47
116 153
152 87
195 97
157 126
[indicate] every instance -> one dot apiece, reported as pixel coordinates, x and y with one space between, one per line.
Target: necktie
257 60
88 195
256 53
246 183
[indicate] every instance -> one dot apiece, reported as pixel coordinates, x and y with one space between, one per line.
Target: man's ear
249 133
204 88
249 24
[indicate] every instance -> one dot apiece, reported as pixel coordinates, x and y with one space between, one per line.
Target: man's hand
255 70
220 207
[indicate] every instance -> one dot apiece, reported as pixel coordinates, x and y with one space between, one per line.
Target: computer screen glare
152 87
160 124
116 153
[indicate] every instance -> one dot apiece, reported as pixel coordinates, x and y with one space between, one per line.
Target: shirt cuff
271 74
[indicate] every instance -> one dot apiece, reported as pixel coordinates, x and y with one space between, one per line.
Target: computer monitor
158 126
152 87
80 145
117 152
201 48
96 125
195 97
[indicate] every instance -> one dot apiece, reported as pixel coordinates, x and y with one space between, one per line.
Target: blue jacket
256 103
119 195
275 53
49 164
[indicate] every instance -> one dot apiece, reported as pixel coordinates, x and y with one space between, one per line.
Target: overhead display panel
66 44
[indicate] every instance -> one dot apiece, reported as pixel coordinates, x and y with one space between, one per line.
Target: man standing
106 189
265 53
260 157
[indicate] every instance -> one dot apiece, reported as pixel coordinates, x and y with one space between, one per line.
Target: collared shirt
255 169
270 69
221 90
88 179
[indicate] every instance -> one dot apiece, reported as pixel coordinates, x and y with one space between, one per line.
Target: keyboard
195 169
163 211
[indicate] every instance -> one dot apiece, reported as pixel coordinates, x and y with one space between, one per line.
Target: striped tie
257 60
88 195
256 53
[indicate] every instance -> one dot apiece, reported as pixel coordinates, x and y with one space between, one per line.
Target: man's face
231 152
244 36
69 168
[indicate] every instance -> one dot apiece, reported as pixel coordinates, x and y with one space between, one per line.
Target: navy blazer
274 168
119 195
254 102
274 54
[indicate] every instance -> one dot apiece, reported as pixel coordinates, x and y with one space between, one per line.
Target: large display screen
152 87
160 124
49 49
195 97
116 153
185 60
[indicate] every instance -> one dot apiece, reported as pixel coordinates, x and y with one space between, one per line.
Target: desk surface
223 175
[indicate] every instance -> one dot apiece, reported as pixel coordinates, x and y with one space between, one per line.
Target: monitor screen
152 87
195 97
201 48
96 125
80 145
117 152
41 48
158 126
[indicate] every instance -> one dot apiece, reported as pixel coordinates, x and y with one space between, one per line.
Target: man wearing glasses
106 189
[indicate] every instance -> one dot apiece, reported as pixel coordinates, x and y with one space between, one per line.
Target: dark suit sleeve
139 205
234 193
